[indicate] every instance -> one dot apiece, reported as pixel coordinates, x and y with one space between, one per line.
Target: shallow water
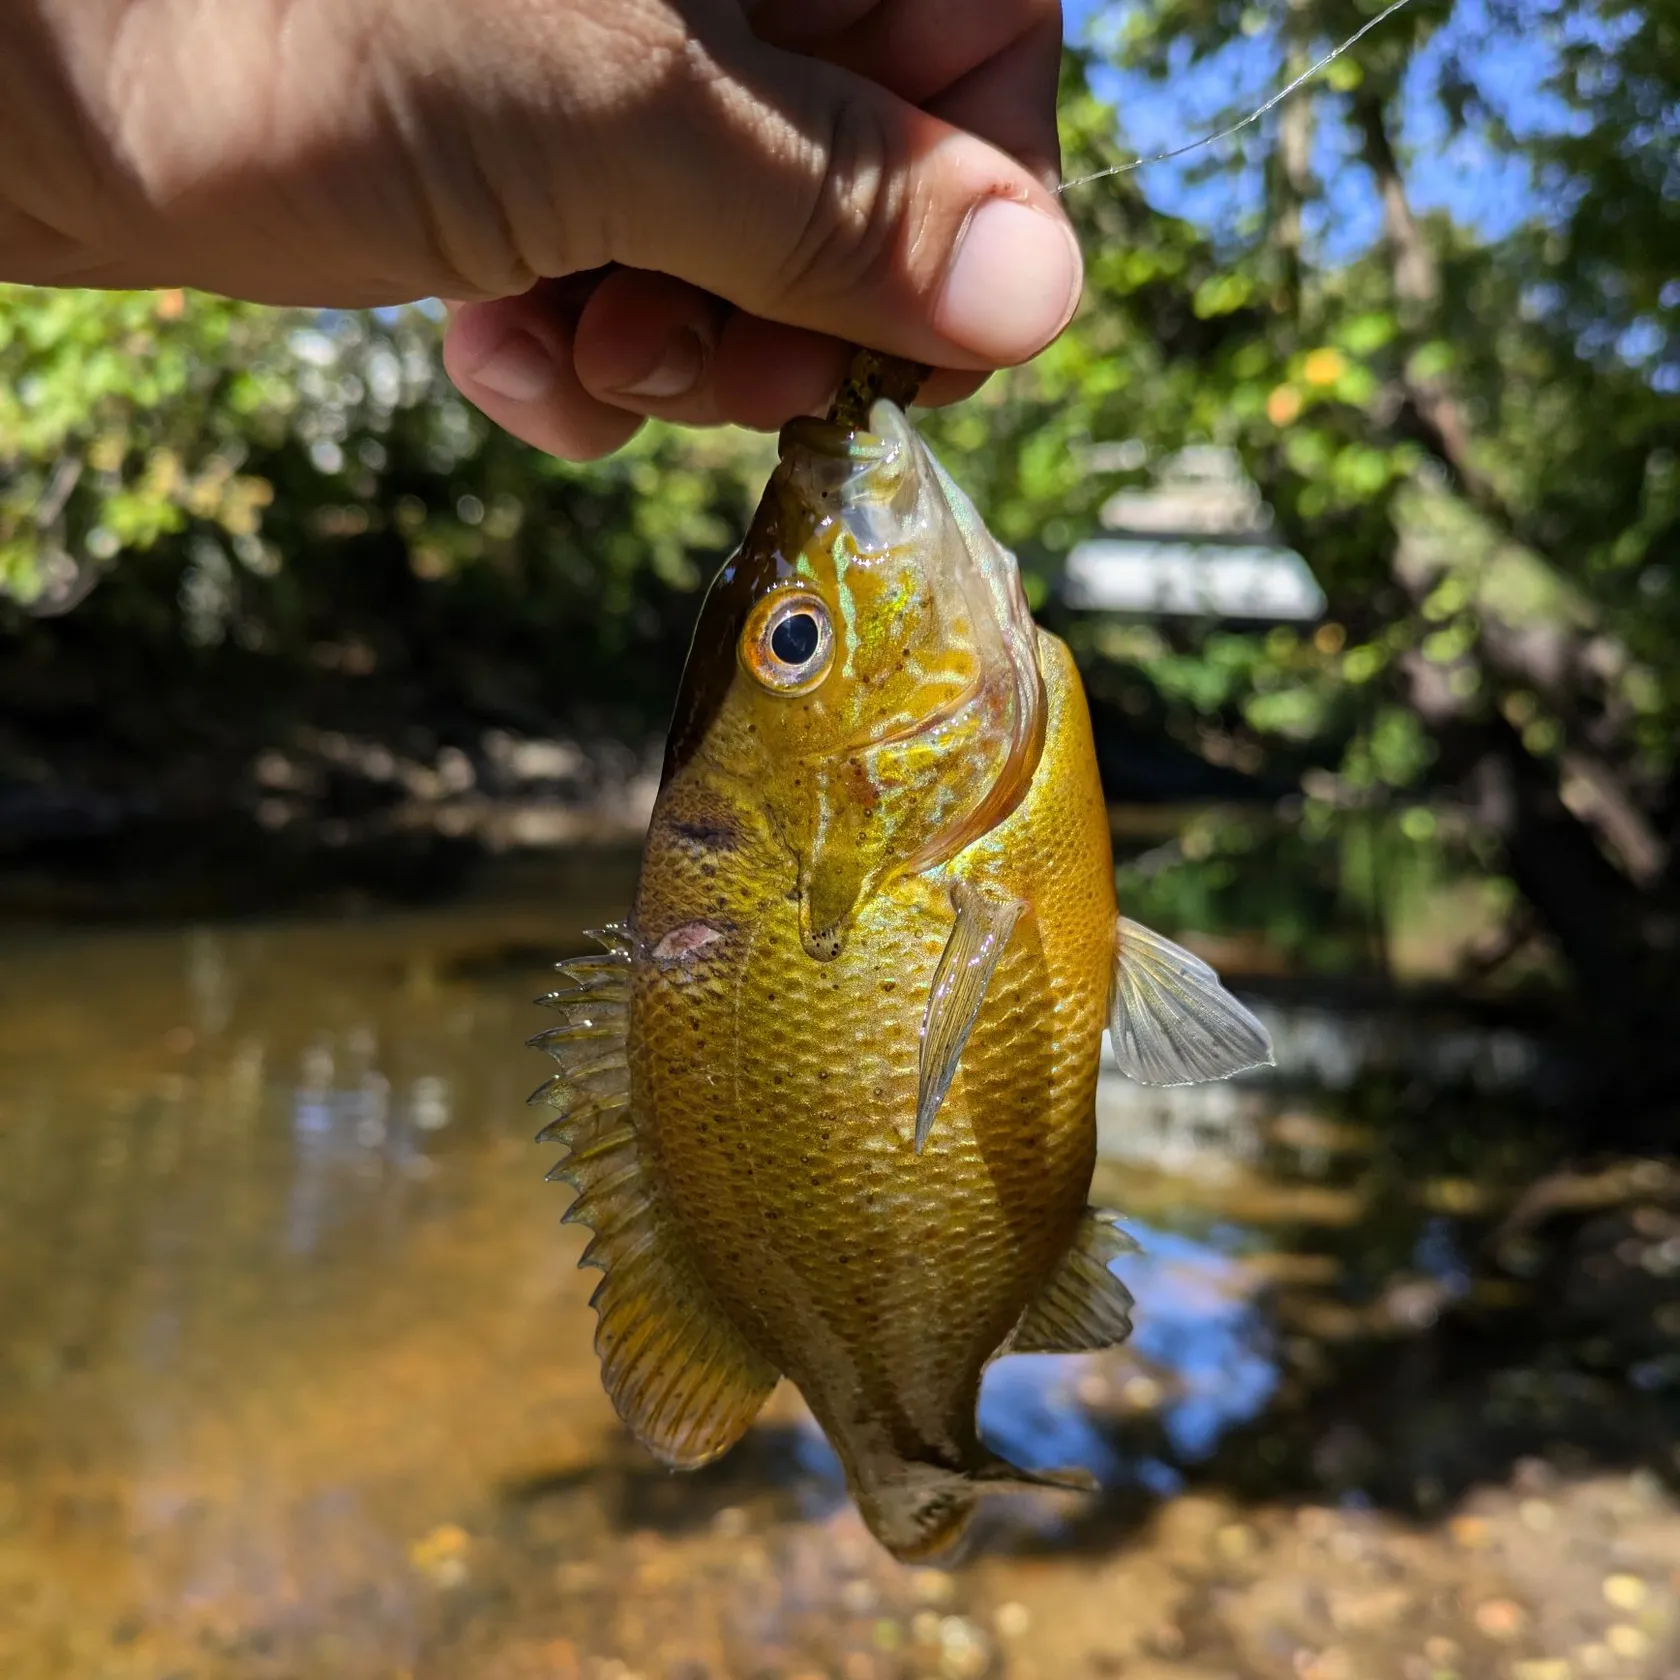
296 1380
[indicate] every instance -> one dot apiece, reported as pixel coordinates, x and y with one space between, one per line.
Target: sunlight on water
298 1374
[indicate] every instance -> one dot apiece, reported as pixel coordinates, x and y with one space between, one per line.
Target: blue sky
1469 174
1464 174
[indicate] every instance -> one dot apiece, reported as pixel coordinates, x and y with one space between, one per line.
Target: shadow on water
785 1467
297 1375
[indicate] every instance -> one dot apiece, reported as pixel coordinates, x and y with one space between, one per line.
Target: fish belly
870 1275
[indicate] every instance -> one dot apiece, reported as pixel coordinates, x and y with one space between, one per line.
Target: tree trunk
1579 841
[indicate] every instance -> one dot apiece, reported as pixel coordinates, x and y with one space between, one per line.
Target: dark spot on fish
707 836
889 985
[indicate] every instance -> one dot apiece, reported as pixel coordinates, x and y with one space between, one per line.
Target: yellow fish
829 1094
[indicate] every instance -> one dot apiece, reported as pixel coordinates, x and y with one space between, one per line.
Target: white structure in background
1211 1132
1195 544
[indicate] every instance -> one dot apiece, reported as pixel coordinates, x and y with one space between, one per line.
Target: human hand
761 181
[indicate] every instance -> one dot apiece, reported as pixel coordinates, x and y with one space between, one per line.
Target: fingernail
678 369
1013 283
520 368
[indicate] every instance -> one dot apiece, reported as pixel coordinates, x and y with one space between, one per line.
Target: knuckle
1034 17
857 205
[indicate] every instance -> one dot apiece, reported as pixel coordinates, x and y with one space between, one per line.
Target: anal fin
679 1374
1083 1306
1000 1474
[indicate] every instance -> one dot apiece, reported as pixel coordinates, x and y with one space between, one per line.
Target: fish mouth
868 479
831 441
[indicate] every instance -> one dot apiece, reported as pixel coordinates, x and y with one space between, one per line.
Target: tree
1470 426
296 527
1472 434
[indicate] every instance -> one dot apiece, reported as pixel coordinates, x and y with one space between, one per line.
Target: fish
828 1093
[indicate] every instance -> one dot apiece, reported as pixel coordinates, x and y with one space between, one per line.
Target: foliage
1474 439
1472 433
264 496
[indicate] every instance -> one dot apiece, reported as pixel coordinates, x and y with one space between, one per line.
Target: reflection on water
295 1370
1199 1329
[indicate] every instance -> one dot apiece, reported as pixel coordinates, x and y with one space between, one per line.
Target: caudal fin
918 1510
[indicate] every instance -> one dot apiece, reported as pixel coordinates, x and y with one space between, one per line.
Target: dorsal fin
678 1372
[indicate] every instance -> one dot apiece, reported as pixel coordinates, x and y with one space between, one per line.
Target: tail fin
917 1510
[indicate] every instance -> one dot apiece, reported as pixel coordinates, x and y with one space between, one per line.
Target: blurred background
329 718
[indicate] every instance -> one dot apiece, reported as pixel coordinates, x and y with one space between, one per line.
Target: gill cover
867 662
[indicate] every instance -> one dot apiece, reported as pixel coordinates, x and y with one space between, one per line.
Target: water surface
296 1380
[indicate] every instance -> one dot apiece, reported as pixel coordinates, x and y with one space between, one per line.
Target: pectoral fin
1171 1020
677 1370
1084 1306
977 942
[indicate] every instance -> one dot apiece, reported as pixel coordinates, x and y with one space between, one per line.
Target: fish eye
788 642
795 639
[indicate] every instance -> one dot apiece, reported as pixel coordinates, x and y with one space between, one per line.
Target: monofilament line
1253 117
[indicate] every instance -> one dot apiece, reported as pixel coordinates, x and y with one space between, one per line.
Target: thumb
809 195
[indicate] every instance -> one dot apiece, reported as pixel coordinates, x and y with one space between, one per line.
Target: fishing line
1253 116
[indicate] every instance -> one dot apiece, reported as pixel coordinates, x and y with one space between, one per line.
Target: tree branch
1417 290
1601 799
1291 171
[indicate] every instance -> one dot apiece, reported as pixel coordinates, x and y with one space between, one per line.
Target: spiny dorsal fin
1171 1020
678 1372
1084 1306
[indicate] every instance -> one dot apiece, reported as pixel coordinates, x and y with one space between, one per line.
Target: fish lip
830 472
831 442
824 945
